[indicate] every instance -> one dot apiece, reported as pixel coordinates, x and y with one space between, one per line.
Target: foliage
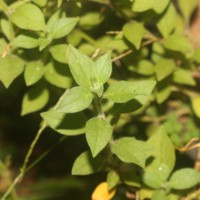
129 74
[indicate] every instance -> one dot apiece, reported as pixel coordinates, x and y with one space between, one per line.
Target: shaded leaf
58 74
59 52
112 179
85 164
66 124
34 100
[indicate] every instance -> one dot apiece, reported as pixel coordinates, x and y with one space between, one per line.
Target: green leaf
44 42
98 134
90 19
196 56
59 2
163 90
187 8
162 160
29 16
81 67
124 91
164 67
196 105
58 74
85 164
74 100
184 179
134 32
66 124
59 52
10 68
112 179
167 23
144 67
33 72
40 3
183 76
62 27
6 28
25 41
130 150
34 100
159 194
102 69
177 42
143 5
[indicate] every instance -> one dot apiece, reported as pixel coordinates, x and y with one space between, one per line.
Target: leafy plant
125 74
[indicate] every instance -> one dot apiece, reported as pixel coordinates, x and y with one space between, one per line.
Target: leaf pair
87 73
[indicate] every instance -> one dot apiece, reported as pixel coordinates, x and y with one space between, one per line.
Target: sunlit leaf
98 134
28 16
184 178
10 68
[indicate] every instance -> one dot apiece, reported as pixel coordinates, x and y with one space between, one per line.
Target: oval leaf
74 100
184 178
162 160
130 150
123 91
10 68
98 134
34 100
29 16
134 32
33 72
62 27
80 66
85 164
66 124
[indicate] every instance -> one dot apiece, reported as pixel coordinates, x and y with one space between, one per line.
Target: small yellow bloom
101 192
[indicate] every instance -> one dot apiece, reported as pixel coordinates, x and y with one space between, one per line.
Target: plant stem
98 105
26 160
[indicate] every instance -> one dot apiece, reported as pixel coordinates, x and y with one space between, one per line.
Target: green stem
28 155
88 38
45 154
98 105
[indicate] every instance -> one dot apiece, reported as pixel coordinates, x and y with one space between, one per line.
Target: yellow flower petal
101 192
